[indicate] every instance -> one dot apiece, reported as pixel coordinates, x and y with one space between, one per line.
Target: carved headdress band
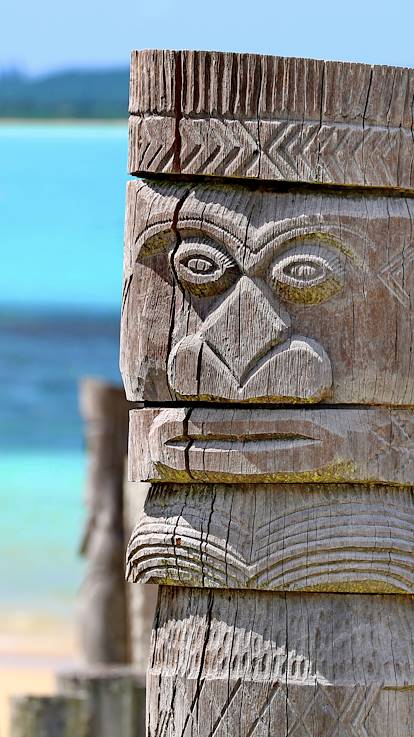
271 118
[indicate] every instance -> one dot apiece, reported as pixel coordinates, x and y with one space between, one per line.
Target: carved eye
203 267
309 273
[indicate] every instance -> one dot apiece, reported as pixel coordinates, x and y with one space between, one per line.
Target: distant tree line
70 94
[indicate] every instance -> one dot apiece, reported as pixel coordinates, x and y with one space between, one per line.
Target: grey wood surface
184 445
268 298
241 296
303 665
298 537
271 118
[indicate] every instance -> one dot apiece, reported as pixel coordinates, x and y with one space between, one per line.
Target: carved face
245 349
251 296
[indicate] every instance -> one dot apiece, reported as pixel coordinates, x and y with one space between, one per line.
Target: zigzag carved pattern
394 274
151 144
291 150
256 710
346 716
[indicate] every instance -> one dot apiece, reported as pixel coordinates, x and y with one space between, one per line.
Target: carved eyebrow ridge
267 237
260 241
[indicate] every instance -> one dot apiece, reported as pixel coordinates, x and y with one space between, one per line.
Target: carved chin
298 370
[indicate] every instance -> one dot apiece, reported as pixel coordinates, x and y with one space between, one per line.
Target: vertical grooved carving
261 117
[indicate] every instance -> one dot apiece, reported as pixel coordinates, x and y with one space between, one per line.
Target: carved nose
246 326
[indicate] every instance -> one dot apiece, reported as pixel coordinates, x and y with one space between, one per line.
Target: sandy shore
31 651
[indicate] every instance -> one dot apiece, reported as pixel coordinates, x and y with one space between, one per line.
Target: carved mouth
241 443
223 445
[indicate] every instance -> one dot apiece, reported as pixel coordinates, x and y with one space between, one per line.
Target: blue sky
44 35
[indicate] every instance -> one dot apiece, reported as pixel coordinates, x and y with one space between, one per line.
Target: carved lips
225 444
228 445
271 445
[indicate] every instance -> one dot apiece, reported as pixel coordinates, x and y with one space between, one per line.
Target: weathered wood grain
240 708
305 537
245 296
266 664
184 445
271 118
282 533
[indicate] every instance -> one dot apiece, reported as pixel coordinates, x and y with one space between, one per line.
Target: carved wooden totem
268 325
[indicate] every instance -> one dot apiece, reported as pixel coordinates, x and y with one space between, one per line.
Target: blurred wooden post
49 716
115 696
115 618
106 696
269 267
102 606
141 600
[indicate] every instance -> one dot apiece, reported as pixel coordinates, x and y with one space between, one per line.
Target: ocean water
61 225
62 194
42 460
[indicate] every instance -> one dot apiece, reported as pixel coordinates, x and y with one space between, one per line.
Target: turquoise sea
61 226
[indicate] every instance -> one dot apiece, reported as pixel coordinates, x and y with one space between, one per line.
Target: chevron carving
292 711
344 716
394 275
151 144
273 149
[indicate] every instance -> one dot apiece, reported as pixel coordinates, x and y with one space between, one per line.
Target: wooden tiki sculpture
268 324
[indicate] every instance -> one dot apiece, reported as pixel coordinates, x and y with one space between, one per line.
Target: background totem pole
268 325
102 611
